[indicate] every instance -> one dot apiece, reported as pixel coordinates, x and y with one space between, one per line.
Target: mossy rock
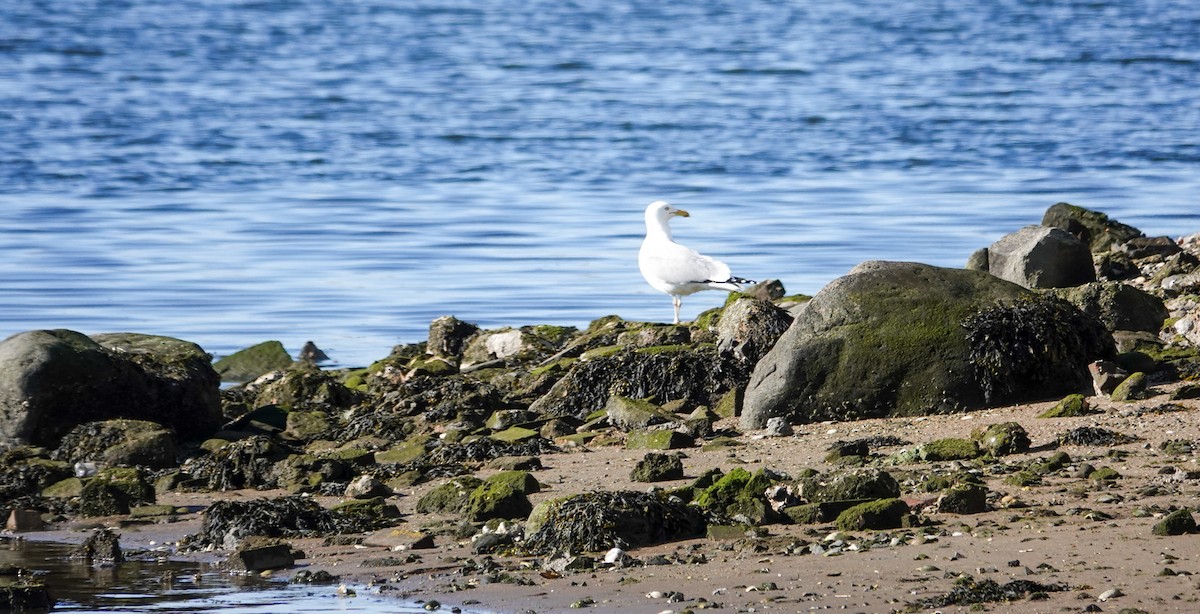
849 485
501 496
1002 439
730 403
1179 522
130 481
448 498
152 511
739 493
120 442
875 516
63 489
658 440
361 515
1133 388
630 414
247 364
1057 461
515 434
409 451
599 521
1071 406
948 449
1023 479
964 498
100 498
306 425
656 467
1104 474
305 385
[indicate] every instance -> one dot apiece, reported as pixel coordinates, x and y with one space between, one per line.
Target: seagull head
662 211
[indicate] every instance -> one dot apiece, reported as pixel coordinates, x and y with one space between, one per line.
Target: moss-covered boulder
898 339
1070 406
599 521
656 467
504 495
228 522
1093 228
632 414
739 493
362 515
1178 522
1002 439
54 380
658 440
1133 388
948 449
848 485
964 497
450 497
307 426
874 516
249 363
119 442
305 386
247 463
1118 306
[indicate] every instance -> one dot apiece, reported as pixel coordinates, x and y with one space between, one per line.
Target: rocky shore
1017 434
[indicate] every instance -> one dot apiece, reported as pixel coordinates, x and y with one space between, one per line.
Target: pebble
1111 593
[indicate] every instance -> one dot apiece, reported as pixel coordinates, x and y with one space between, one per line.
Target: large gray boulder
897 338
1041 257
54 380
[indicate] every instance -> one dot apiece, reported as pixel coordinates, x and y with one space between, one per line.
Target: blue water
231 171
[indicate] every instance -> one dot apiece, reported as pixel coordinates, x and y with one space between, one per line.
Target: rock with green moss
1104 474
1099 232
948 449
54 380
739 493
99 498
130 482
515 434
651 335
900 339
1055 462
964 498
307 425
1178 522
1118 306
362 515
119 442
1002 439
1071 406
874 516
633 414
600 521
249 363
305 385
450 497
504 495
848 485
656 467
1133 388
408 451
658 440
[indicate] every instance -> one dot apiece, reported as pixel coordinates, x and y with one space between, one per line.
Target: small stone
1111 593
778 427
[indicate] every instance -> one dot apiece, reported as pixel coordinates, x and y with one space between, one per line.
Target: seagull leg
676 301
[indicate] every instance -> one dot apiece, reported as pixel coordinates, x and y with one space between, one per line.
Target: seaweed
227 523
969 591
595 522
1094 436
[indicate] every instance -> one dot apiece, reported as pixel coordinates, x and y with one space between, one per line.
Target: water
172 586
231 171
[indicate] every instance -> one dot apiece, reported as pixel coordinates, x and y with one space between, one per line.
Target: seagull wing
675 264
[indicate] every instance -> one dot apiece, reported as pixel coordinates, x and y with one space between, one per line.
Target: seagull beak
681 213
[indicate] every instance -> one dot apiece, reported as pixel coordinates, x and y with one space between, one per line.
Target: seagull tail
733 284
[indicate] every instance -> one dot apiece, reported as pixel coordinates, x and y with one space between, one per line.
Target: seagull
674 269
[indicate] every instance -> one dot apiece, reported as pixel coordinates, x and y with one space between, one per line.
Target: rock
978 260
766 290
306 426
311 354
1003 439
1071 406
1106 376
450 497
399 539
252 362
1094 229
778 427
686 373
654 335
874 516
658 440
22 592
258 554
1178 522
102 546
363 515
54 380
367 487
948 449
848 485
600 521
898 339
1094 436
304 386
1118 306
1141 248
119 442
248 463
448 336
739 494
749 328
633 414
228 522
21 520
503 495
963 498
1041 257
657 468
1133 388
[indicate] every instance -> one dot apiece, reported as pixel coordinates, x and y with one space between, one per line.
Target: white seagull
674 269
